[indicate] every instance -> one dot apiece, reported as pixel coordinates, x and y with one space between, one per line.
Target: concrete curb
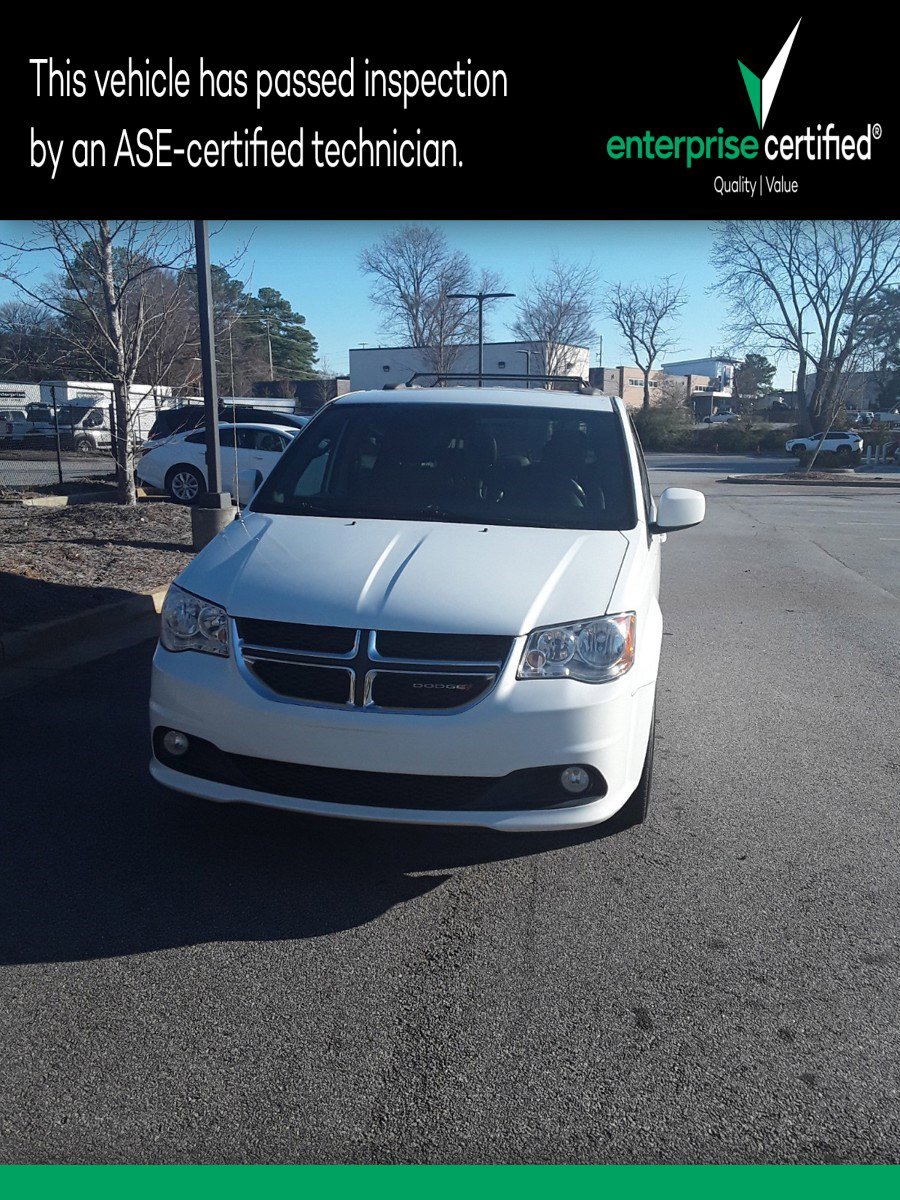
837 480
75 498
23 645
63 501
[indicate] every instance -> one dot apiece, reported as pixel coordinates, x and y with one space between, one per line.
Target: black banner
569 117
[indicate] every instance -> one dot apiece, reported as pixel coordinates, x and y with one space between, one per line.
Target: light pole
527 354
480 297
216 509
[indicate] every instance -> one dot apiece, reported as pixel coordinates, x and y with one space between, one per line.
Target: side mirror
678 508
248 481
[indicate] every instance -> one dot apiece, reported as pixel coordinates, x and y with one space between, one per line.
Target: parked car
860 419
34 421
886 418
721 418
8 419
843 442
84 428
178 466
186 417
441 607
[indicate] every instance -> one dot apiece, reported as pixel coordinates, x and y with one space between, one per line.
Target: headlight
592 651
189 623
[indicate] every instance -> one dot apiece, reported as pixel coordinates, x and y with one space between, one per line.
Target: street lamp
480 298
216 508
528 366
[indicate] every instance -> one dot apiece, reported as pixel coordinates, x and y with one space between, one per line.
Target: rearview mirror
678 508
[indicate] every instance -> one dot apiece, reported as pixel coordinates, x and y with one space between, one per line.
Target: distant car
842 442
248 454
886 418
170 421
721 418
35 421
84 428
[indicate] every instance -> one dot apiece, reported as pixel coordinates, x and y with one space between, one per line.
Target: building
627 383
379 366
718 370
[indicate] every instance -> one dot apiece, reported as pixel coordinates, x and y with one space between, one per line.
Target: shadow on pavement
100 861
26 601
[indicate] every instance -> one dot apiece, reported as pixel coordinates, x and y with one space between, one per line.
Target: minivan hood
427 577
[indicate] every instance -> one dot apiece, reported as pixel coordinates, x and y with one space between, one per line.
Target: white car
441 607
839 441
248 453
720 418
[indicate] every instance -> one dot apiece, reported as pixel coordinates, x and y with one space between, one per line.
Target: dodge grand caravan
440 607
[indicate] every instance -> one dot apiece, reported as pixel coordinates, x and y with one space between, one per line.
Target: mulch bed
58 561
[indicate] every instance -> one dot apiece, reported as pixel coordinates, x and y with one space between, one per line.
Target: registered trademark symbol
876 131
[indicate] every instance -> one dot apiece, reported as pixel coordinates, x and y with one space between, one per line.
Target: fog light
575 780
176 743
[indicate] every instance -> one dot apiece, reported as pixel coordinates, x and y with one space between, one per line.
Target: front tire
636 807
185 484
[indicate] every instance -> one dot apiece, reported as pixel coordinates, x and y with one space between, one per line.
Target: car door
231 456
261 448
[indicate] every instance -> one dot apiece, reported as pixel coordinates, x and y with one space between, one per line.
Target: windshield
489 464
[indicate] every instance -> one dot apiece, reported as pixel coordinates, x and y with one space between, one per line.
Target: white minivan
440 607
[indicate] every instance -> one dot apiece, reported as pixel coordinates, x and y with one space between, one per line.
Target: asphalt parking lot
188 982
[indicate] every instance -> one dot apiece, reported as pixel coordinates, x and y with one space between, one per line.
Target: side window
196 439
247 438
226 439
270 442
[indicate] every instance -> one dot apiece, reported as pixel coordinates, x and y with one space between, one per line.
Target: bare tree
119 295
804 288
646 315
556 313
28 341
415 271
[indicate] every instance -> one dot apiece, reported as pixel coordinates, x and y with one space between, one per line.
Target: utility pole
480 298
215 509
269 340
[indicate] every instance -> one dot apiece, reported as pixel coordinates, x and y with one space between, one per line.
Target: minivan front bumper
528 729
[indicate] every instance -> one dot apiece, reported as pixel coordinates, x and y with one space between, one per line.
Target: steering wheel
576 491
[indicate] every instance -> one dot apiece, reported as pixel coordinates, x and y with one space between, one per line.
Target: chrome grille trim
362 666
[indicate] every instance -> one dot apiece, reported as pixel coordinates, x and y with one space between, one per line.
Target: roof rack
582 387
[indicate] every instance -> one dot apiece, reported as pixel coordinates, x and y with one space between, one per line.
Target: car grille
314 639
383 670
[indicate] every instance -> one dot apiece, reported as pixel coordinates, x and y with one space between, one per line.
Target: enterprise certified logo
815 143
762 91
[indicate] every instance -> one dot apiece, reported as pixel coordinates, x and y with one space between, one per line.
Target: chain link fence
62 442
53 444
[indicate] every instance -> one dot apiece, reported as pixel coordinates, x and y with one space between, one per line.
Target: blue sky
315 264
